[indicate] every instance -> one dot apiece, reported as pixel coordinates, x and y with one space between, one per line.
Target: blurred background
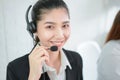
91 20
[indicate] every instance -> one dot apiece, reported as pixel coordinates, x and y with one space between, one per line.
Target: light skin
53 29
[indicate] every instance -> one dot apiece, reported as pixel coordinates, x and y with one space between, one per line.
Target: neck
55 60
54 57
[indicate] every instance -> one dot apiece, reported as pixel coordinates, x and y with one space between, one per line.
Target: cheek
67 33
44 36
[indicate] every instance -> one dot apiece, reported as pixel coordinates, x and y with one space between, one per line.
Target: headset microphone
53 48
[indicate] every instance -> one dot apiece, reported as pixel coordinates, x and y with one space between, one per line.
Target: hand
36 59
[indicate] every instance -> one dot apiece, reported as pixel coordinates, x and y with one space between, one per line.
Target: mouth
57 43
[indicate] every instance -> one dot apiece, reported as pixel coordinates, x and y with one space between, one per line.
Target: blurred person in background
108 65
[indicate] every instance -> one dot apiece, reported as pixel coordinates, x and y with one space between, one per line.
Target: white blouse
109 61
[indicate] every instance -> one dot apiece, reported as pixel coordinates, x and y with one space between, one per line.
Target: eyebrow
55 23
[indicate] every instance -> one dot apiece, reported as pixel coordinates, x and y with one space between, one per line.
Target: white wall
88 17
89 20
3 52
14 39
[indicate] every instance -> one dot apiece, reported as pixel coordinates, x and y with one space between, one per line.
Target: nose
59 33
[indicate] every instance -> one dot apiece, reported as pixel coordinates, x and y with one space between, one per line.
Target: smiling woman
50 26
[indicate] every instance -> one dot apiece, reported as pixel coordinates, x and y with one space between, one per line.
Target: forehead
55 14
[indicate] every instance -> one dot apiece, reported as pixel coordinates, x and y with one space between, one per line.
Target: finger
40 53
43 59
36 48
46 54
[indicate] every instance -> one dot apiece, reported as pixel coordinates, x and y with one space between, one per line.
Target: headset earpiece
31 28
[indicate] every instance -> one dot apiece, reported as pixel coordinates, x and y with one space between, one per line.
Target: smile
57 42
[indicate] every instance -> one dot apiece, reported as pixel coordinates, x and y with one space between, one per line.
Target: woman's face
54 28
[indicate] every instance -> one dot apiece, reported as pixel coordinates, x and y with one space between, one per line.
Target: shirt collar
64 60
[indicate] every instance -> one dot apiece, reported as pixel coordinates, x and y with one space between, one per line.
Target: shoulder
112 47
18 68
115 43
112 43
18 63
20 60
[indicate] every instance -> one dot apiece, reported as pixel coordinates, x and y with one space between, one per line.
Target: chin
60 47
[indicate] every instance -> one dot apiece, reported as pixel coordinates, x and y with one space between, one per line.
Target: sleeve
10 73
109 66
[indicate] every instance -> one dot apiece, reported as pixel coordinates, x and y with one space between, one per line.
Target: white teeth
57 42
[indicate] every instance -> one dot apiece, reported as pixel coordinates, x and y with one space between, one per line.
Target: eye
50 27
65 26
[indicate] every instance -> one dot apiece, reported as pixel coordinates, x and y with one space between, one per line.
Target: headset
31 28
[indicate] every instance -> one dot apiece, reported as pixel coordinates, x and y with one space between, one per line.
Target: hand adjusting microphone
53 48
